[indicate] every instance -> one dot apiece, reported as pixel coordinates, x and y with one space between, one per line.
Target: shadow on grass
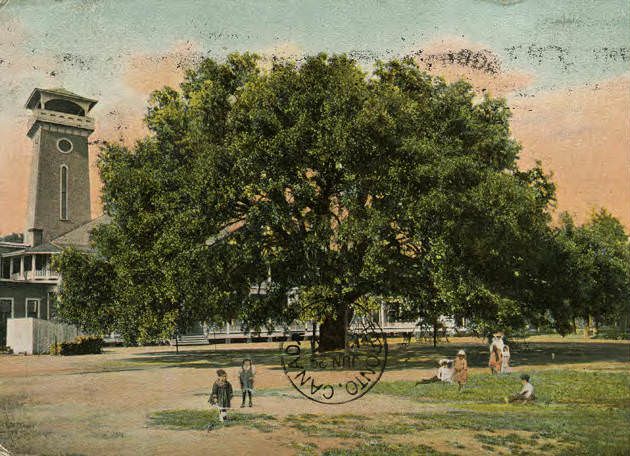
412 356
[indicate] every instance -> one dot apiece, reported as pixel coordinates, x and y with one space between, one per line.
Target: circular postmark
342 376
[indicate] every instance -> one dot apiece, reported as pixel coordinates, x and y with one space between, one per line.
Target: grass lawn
577 412
149 400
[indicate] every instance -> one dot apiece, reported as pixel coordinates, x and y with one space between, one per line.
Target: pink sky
581 134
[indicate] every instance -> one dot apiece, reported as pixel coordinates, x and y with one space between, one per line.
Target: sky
564 68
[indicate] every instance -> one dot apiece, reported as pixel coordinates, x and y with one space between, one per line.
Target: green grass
611 389
577 412
199 419
389 449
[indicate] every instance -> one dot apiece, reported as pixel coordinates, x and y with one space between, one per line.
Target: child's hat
525 377
461 353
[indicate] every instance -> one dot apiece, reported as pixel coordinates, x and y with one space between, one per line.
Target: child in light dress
444 374
505 360
526 394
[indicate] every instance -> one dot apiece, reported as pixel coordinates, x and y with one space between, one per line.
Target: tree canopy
325 180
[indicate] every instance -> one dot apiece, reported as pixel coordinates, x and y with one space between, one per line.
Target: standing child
246 377
461 369
505 361
221 395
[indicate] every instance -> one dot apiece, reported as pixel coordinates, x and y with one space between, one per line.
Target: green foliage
591 270
81 345
86 296
346 186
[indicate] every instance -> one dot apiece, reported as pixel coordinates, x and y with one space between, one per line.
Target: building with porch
58 214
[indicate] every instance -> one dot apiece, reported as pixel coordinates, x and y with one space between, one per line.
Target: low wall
34 336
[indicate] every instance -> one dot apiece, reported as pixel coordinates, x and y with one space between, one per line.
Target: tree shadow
532 353
400 356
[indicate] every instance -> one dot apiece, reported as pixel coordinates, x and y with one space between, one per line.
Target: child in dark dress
246 377
221 395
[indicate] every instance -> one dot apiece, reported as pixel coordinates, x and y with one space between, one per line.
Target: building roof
43 248
80 237
11 246
33 99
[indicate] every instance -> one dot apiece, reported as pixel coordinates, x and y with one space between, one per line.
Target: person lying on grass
221 395
444 373
526 394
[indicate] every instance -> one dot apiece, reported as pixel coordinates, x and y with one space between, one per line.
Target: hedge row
82 345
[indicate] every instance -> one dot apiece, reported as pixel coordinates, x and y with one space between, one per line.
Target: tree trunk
435 333
332 332
587 327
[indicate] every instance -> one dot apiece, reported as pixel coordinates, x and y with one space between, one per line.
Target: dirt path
100 404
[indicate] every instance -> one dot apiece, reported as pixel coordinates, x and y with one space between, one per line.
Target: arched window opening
65 106
63 193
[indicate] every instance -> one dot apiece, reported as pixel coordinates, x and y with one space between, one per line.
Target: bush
81 345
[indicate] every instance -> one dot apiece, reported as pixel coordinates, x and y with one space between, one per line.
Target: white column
33 267
383 315
22 267
13 308
10 267
227 333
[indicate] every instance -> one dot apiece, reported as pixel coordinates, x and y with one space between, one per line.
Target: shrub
81 345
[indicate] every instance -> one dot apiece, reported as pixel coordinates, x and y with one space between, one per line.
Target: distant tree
86 291
323 179
595 261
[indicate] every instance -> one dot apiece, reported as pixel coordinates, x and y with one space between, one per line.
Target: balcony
60 118
37 275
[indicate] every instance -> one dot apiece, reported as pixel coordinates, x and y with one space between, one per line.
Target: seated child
526 394
444 373
221 395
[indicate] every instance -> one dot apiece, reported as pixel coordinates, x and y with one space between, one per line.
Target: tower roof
58 92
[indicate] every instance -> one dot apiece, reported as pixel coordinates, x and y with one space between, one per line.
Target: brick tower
59 193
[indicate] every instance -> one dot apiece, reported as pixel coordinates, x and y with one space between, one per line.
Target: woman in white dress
505 360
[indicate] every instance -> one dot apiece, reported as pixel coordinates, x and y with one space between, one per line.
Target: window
32 306
63 193
64 145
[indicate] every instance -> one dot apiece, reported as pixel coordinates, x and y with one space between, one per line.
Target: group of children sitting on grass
456 371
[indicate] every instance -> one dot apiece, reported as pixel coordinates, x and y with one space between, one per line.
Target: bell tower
59 192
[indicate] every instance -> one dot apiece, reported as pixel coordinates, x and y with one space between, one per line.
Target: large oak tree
327 180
